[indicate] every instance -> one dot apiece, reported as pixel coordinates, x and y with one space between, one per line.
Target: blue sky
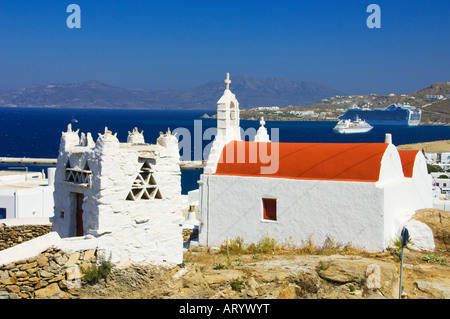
180 44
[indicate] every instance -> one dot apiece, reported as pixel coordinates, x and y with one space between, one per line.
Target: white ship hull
349 127
351 130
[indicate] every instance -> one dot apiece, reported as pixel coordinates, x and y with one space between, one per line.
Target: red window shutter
269 209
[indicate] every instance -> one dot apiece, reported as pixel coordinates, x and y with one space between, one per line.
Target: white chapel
355 193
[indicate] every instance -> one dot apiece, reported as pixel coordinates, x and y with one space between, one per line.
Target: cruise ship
394 114
349 126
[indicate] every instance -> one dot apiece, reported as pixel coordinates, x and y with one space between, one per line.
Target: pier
27 160
52 161
192 164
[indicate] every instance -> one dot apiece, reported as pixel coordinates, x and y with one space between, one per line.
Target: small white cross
228 81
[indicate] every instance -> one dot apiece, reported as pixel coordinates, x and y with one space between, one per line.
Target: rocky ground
288 274
279 277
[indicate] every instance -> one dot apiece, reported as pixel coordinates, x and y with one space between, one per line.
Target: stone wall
13 235
52 274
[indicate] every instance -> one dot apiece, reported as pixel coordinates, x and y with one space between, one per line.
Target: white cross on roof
228 81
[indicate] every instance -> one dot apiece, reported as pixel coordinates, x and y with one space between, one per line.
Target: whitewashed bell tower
228 128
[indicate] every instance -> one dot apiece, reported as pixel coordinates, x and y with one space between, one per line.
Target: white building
432 158
26 194
438 97
124 197
439 180
361 193
445 160
267 108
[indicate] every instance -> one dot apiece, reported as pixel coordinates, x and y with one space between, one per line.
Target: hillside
435 146
434 111
95 94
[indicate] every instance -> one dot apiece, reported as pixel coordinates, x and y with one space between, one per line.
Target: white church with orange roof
355 193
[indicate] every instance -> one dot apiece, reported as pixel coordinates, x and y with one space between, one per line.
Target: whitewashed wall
30 202
7 200
422 183
347 212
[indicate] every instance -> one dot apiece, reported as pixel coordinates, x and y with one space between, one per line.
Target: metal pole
405 238
401 275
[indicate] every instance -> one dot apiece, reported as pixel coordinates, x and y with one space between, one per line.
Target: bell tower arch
228 125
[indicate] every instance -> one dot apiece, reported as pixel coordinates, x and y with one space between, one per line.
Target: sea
36 132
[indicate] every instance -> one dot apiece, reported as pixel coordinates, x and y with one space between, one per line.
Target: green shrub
396 252
237 285
433 259
99 270
220 266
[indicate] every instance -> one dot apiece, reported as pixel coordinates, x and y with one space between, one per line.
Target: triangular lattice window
79 177
144 186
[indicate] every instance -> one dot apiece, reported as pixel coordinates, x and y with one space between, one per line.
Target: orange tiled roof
314 161
408 158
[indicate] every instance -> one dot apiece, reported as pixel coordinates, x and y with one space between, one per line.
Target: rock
61 260
21 274
439 222
57 278
434 288
42 260
45 274
194 279
52 291
52 267
9 281
221 278
89 254
41 284
13 288
252 286
9 266
421 236
289 292
74 275
369 272
26 289
4 275
252 283
342 274
73 258
4 294
35 279
32 270
28 266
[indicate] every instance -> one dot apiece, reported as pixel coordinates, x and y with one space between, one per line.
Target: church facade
354 193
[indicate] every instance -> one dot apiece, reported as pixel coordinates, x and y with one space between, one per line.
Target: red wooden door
79 214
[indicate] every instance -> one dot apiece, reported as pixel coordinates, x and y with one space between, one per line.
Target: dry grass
436 146
236 251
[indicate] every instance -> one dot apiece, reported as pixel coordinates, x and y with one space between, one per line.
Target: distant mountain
250 92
